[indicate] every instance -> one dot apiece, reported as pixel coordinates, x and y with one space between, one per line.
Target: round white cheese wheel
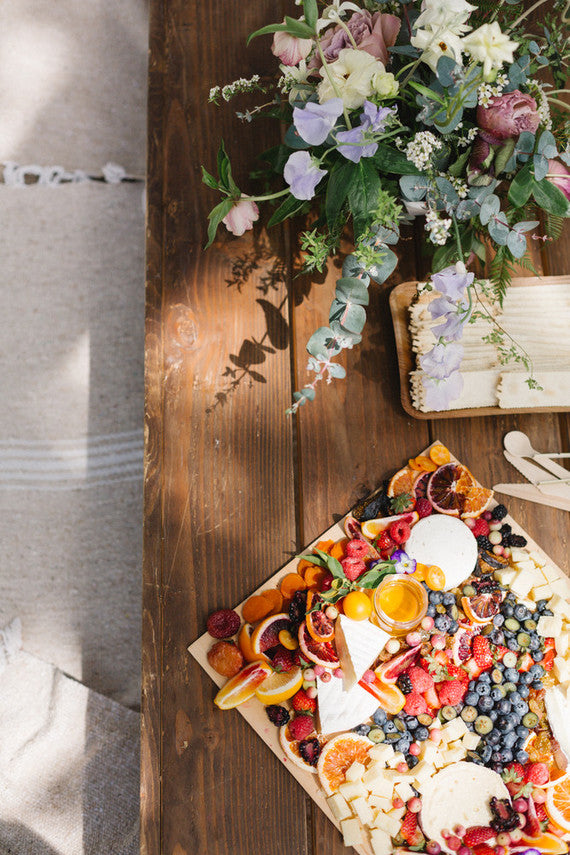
459 795
447 542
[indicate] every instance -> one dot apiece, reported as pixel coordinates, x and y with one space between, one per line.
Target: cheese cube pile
363 803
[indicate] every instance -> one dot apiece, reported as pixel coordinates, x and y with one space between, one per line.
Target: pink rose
241 217
290 49
560 176
372 33
507 116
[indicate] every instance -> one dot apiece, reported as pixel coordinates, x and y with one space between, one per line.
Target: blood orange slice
266 634
337 756
319 626
453 490
421 485
402 482
482 608
319 652
242 687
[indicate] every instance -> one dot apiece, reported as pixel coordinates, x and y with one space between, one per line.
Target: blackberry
505 817
404 684
310 750
506 529
484 543
298 608
277 715
499 513
516 540
486 585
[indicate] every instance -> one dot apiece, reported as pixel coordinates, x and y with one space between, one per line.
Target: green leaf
363 195
225 171
311 13
490 207
339 183
291 26
288 208
429 93
503 155
215 217
389 159
352 290
333 564
209 179
521 187
414 188
350 316
456 168
550 198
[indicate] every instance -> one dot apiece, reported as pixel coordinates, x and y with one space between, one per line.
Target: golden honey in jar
400 602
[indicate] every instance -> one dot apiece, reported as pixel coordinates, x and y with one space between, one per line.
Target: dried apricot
290 583
338 549
255 608
275 598
315 576
225 658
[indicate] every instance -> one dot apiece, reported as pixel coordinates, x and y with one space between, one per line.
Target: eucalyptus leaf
352 266
466 209
293 140
322 343
499 229
448 71
414 188
490 206
521 187
540 164
385 235
380 272
516 242
525 146
337 371
352 318
526 225
547 145
351 290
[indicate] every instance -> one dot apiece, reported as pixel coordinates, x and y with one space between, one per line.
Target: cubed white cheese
396 758
379 803
439 760
404 790
522 583
381 787
380 842
562 643
339 806
352 790
541 592
388 823
398 813
505 575
560 606
354 772
549 626
471 741
423 772
454 755
454 729
351 831
561 669
550 573
518 554
525 563
537 557
561 586
362 810
429 751
381 752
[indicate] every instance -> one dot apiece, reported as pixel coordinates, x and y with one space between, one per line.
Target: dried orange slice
453 490
337 551
280 686
337 756
275 599
424 464
558 804
242 687
402 482
287 640
439 454
413 465
546 842
315 576
319 652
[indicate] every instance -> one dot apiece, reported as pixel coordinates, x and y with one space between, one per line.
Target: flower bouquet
398 109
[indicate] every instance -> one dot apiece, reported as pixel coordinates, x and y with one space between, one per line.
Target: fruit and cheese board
411 669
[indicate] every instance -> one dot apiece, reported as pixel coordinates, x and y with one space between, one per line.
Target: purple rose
507 116
302 174
241 217
314 122
372 33
560 176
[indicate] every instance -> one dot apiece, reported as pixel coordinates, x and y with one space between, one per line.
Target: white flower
385 84
490 46
420 149
435 42
450 14
352 76
334 12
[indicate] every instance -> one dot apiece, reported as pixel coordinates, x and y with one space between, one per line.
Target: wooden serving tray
254 712
400 300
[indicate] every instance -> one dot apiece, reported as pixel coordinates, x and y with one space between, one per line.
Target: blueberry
504 706
471 699
389 727
498 620
534 643
442 623
411 722
485 677
507 755
521 757
521 612
541 605
485 753
512 675
537 685
431 612
514 719
522 732
547 613
485 704
537 655
514 696
513 644
497 767
536 671
497 692
507 609
436 597
523 691
504 724
497 636
493 715
483 688
421 734
412 761
471 685
448 599
493 738
497 757
403 745
509 739
510 687
361 729
526 678
453 627
380 717
520 707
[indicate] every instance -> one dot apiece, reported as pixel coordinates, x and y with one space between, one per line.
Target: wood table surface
234 487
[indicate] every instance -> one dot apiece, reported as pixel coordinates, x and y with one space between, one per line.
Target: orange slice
280 686
402 482
453 490
290 748
287 640
388 695
483 607
424 464
439 454
337 756
372 528
546 842
435 578
266 634
244 644
242 687
558 804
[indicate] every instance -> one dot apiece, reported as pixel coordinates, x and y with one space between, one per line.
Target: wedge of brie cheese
341 710
358 643
558 712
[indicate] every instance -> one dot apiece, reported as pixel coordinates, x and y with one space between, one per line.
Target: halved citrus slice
482 608
453 490
242 687
280 686
290 747
402 482
439 454
319 652
337 756
388 695
545 842
319 626
266 634
244 644
558 804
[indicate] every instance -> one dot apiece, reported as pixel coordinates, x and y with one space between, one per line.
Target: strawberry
384 543
301 726
472 668
302 703
399 531
353 568
415 704
356 548
499 651
532 826
536 773
477 834
549 654
541 814
282 659
483 849
482 652
526 662
513 772
421 680
456 673
451 692
432 699
409 826
402 503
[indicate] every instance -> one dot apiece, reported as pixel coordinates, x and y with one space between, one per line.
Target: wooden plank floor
233 487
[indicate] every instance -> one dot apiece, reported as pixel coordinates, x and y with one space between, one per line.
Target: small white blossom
292 75
438 228
544 110
420 150
458 185
445 13
487 91
463 142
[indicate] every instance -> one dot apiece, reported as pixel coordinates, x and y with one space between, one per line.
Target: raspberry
356 548
482 651
384 542
223 624
310 750
404 684
225 658
282 659
409 826
451 692
302 703
353 568
423 507
477 834
421 680
277 715
399 531
484 543
499 512
415 704
536 773
481 527
301 726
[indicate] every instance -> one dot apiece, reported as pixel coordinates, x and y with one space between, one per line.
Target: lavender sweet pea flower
440 393
302 174
404 564
356 142
442 360
377 117
315 121
452 282
454 314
